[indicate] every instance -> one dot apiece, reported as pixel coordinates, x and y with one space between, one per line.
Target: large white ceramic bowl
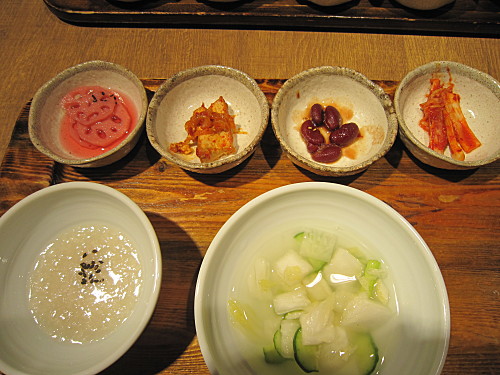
417 337
25 230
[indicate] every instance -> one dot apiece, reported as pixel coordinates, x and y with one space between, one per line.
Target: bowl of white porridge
80 273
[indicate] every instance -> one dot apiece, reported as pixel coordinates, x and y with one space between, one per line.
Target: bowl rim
381 95
267 196
124 346
481 77
52 83
198 71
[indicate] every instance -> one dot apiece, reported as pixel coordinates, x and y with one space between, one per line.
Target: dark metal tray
463 17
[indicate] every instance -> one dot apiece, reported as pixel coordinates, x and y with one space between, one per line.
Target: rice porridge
85 283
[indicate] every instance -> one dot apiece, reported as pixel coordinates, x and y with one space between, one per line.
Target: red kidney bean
332 118
345 135
317 114
327 153
312 148
311 134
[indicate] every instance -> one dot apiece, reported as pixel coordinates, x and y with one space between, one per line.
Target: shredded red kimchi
444 121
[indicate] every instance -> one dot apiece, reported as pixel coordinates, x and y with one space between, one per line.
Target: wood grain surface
456 212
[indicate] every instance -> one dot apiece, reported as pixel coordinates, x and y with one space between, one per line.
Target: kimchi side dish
445 122
211 130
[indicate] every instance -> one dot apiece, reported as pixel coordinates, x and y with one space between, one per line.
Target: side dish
95 121
211 130
444 121
85 283
315 304
325 134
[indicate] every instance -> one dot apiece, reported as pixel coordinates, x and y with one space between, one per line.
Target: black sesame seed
98 271
84 255
84 281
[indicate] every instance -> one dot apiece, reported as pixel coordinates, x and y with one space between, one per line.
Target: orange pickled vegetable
445 122
211 130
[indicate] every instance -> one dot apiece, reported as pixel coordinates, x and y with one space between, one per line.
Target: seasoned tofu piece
214 146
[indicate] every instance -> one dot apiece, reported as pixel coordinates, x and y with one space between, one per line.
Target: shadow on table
171 328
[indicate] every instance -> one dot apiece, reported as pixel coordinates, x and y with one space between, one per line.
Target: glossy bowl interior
46 112
417 338
352 93
25 230
174 102
480 103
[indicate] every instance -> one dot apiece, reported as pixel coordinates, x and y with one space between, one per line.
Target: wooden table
457 213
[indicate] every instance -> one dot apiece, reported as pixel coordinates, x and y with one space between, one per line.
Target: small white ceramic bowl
480 103
416 338
367 103
25 230
425 4
46 112
174 102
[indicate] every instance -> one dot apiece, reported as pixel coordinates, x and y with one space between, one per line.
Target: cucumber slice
306 356
366 353
353 353
318 245
283 341
316 264
271 355
277 342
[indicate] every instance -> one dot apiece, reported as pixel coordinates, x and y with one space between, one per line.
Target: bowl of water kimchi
288 288
448 115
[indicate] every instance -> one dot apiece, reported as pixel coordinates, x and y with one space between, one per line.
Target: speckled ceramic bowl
358 99
174 102
46 111
480 103
424 4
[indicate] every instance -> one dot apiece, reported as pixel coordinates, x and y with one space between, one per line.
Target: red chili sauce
95 121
